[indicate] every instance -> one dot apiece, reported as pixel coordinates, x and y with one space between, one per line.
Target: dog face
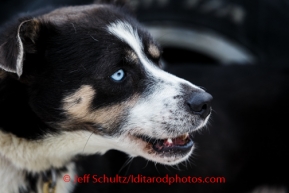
93 76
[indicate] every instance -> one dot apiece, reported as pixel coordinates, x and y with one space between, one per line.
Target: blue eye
118 76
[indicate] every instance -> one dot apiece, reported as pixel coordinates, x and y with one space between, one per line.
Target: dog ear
16 42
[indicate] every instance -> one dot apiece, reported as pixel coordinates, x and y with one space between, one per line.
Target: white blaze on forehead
125 32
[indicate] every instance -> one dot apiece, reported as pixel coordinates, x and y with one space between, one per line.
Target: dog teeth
185 136
169 140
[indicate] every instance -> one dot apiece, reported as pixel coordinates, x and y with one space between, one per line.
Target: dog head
93 76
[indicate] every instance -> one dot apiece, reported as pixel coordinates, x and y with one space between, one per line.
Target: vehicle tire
217 31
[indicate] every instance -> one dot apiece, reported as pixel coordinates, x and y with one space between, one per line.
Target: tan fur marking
154 51
78 106
78 103
132 56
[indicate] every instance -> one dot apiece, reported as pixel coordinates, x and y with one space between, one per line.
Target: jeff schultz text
94 178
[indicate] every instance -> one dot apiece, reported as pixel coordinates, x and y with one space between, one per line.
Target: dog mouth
179 145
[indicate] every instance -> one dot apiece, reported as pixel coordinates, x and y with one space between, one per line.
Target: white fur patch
66 187
18 155
52 151
11 179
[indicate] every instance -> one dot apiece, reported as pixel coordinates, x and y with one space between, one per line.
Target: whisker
155 163
129 160
93 38
146 165
73 27
87 140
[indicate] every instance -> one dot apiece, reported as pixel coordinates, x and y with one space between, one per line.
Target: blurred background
237 51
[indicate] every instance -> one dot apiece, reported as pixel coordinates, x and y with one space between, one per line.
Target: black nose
200 103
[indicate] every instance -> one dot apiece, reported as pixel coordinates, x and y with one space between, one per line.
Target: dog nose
200 103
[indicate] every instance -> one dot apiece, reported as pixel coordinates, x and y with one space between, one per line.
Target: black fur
63 51
58 59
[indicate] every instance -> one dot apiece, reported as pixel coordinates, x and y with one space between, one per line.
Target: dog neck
21 140
23 158
14 180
